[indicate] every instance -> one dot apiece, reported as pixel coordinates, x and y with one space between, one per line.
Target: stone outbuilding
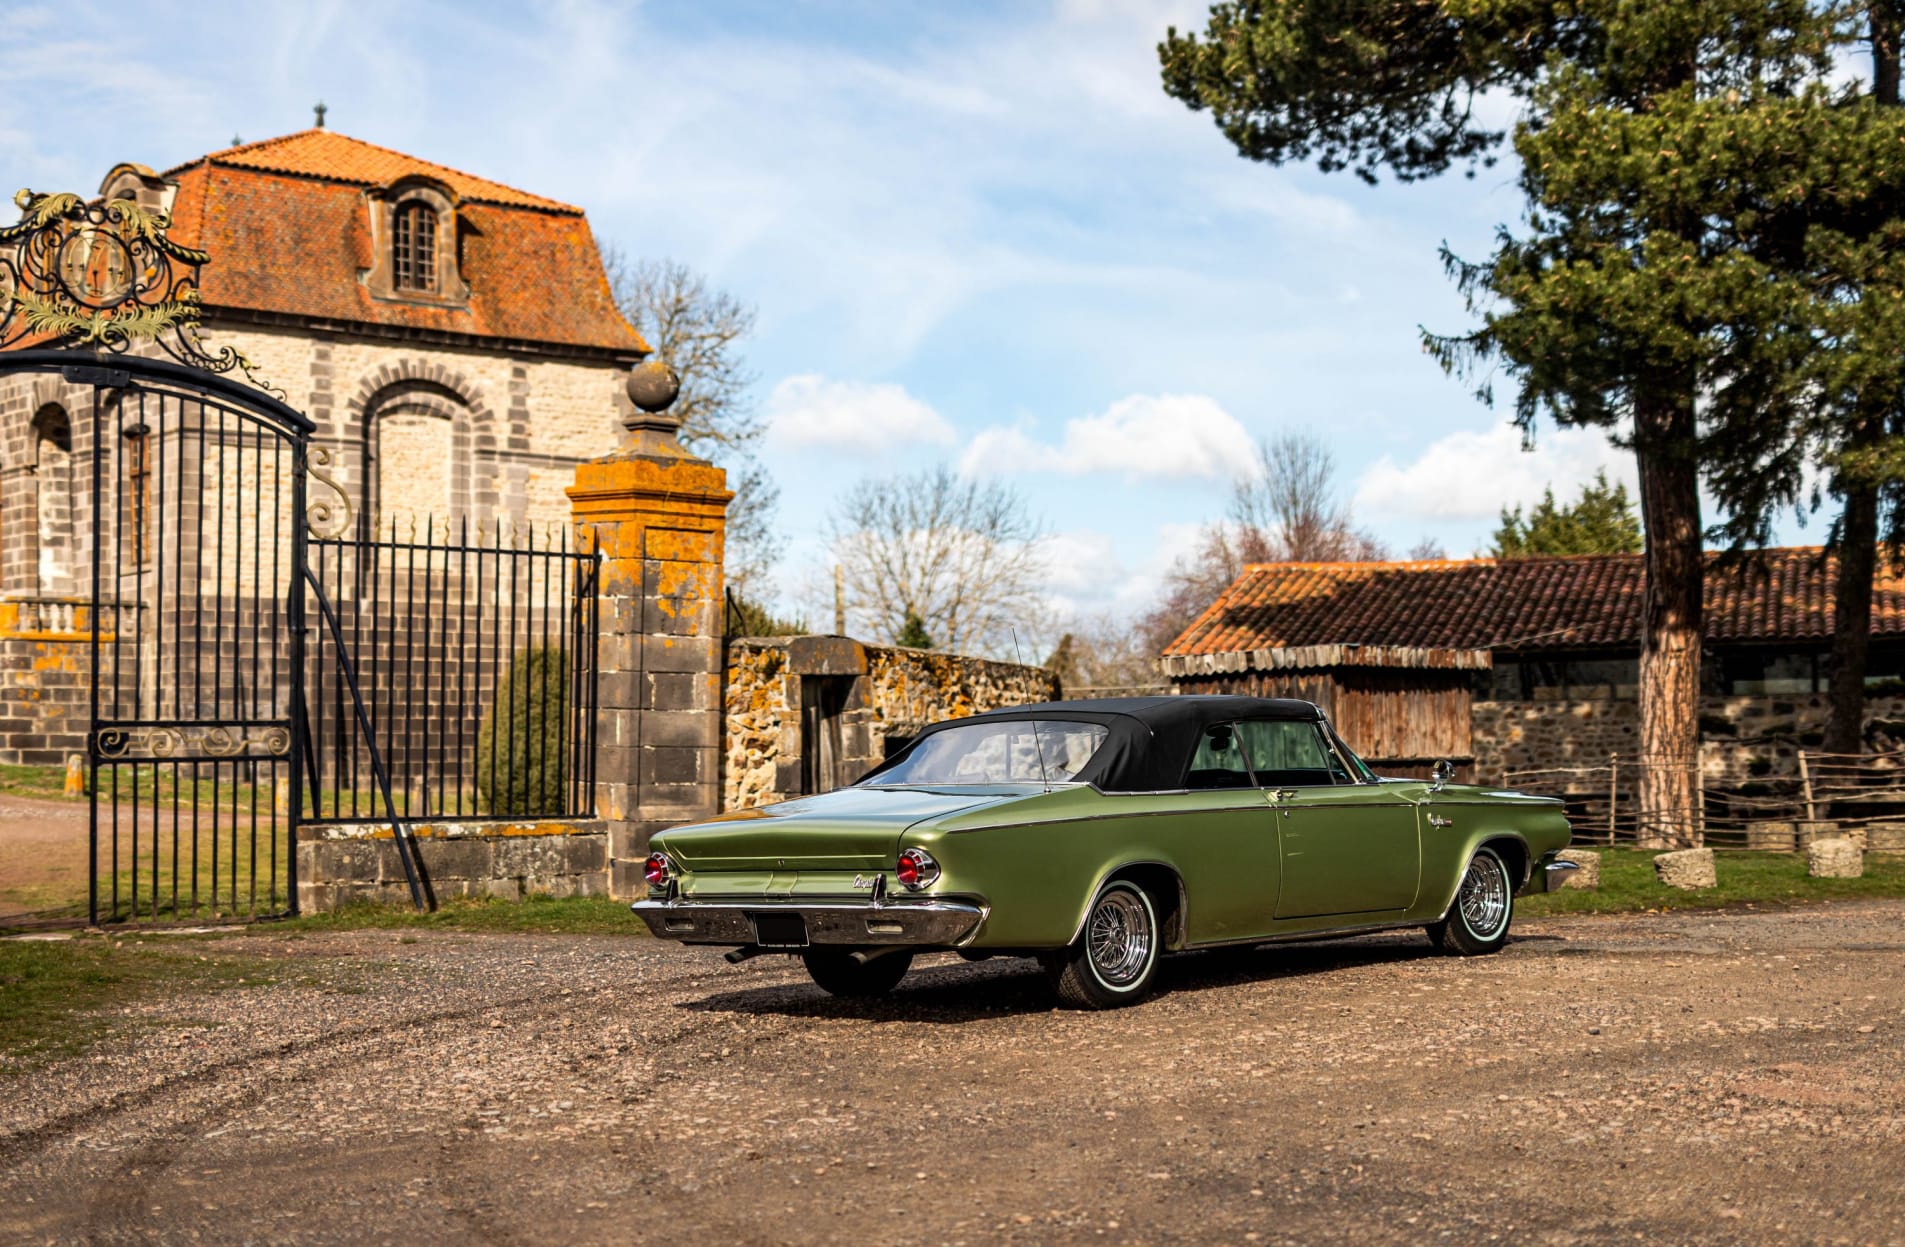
1545 653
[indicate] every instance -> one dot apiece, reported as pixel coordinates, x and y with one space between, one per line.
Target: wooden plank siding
1400 720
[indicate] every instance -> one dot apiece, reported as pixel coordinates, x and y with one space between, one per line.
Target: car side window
1220 761
1339 759
1287 753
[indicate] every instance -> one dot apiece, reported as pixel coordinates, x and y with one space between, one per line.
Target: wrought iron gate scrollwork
326 519
168 743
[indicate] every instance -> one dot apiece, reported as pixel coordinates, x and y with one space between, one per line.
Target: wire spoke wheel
1118 938
1114 959
1484 896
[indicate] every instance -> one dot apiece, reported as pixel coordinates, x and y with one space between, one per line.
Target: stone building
1521 665
453 339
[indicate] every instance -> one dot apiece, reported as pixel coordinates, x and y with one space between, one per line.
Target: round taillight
916 869
658 869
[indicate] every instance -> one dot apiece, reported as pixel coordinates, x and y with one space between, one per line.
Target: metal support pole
406 848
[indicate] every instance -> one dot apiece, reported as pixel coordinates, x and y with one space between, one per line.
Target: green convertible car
1096 836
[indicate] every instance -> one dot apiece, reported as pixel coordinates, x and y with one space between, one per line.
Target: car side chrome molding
1298 937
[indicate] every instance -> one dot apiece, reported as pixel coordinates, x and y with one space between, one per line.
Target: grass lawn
43 783
1628 884
54 994
542 915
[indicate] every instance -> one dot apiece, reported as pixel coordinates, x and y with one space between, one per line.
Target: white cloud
811 410
1091 573
1157 436
1473 474
1080 563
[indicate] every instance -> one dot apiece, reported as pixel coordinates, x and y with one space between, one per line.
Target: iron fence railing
476 656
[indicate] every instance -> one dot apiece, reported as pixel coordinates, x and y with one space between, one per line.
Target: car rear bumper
941 923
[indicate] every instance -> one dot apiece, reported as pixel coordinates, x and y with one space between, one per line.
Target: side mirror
1442 772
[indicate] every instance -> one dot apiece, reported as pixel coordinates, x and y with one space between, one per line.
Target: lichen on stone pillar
657 515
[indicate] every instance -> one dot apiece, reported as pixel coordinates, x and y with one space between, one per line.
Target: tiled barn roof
289 231
1535 603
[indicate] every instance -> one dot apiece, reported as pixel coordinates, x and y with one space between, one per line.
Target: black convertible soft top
1150 739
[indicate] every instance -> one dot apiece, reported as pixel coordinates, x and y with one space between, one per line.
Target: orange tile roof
1587 601
289 233
339 158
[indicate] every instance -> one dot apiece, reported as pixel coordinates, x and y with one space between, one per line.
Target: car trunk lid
847 829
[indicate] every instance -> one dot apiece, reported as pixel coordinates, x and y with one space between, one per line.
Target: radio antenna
1038 745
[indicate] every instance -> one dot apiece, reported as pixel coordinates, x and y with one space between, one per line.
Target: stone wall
45 680
342 863
881 696
1742 738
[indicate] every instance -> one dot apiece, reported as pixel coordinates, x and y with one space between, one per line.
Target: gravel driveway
1726 1077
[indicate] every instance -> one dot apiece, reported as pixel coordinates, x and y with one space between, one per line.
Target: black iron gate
192 513
189 516
198 501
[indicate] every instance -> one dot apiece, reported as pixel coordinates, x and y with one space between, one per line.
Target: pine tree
913 634
1671 154
1867 456
1600 521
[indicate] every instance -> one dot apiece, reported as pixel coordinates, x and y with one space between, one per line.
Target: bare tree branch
961 556
1289 511
698 331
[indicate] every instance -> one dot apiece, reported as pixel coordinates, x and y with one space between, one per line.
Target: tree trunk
1852 618
1671 633
1887 18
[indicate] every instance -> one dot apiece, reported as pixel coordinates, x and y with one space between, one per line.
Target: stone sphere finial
653 386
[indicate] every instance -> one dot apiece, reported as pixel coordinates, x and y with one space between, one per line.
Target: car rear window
1027 751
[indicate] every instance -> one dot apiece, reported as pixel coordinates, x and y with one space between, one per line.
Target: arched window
413 260
53 498
415 467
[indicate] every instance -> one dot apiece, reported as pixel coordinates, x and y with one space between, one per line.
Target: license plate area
779 930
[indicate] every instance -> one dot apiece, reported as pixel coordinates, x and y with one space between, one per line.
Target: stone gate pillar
658 515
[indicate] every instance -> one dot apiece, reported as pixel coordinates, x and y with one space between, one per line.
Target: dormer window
413 259
414 227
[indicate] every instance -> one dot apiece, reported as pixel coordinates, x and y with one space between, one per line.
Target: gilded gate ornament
326 520
103 275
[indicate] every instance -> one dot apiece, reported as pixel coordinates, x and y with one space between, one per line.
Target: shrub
522 763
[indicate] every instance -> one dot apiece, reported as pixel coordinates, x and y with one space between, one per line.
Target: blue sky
976 234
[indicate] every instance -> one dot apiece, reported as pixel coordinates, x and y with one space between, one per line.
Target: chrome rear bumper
940 923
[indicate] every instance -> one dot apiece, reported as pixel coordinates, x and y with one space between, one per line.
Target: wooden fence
1861 796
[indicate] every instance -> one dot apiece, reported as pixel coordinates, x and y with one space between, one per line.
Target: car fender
1175 935
1469 843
